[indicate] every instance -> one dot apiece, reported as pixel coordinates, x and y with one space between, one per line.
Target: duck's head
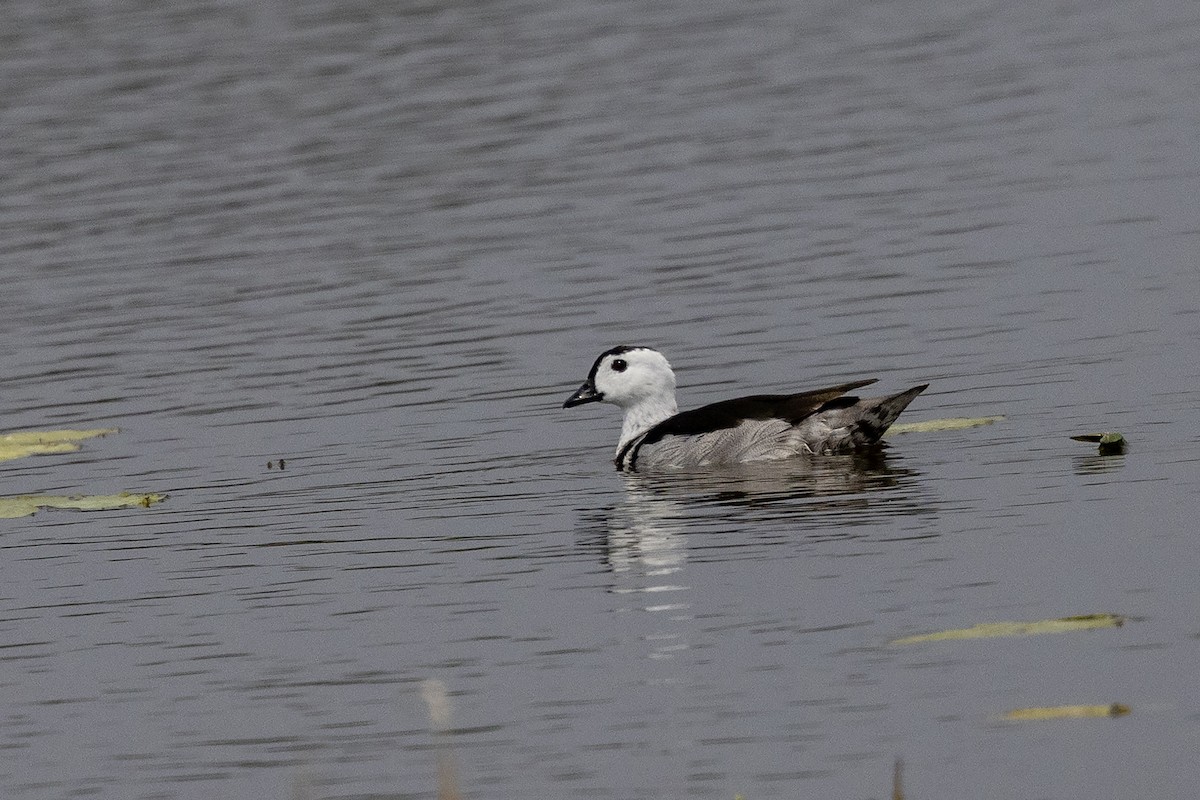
627 376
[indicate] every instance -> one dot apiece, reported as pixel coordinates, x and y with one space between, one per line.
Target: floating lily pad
26 505
1067 712
988 630
946 424
28 443
1110 441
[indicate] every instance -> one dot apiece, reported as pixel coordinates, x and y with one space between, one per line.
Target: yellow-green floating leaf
1067 712
1110 441
947 424
989 630
26 505
65 435
27 443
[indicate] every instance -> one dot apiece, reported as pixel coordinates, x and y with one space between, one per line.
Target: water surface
385 242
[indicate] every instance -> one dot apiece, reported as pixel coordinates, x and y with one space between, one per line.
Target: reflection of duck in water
645 539
764 427
643 547
765 483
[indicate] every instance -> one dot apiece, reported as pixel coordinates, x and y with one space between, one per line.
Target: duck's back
766 428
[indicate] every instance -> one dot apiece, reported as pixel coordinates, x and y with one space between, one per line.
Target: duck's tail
890 407
859 422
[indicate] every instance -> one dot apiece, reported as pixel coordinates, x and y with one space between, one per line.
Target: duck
763 427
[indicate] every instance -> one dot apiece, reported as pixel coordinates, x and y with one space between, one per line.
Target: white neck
644 415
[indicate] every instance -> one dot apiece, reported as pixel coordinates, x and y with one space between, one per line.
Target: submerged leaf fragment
27 443
26 505
1110 441
1067 712
988 630
946 424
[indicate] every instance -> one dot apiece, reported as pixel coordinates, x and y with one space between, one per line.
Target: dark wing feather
731 413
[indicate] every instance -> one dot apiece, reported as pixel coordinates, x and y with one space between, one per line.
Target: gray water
384 241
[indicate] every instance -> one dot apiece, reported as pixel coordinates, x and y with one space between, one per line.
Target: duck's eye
619 365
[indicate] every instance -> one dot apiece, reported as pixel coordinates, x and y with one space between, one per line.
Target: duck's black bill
584 394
